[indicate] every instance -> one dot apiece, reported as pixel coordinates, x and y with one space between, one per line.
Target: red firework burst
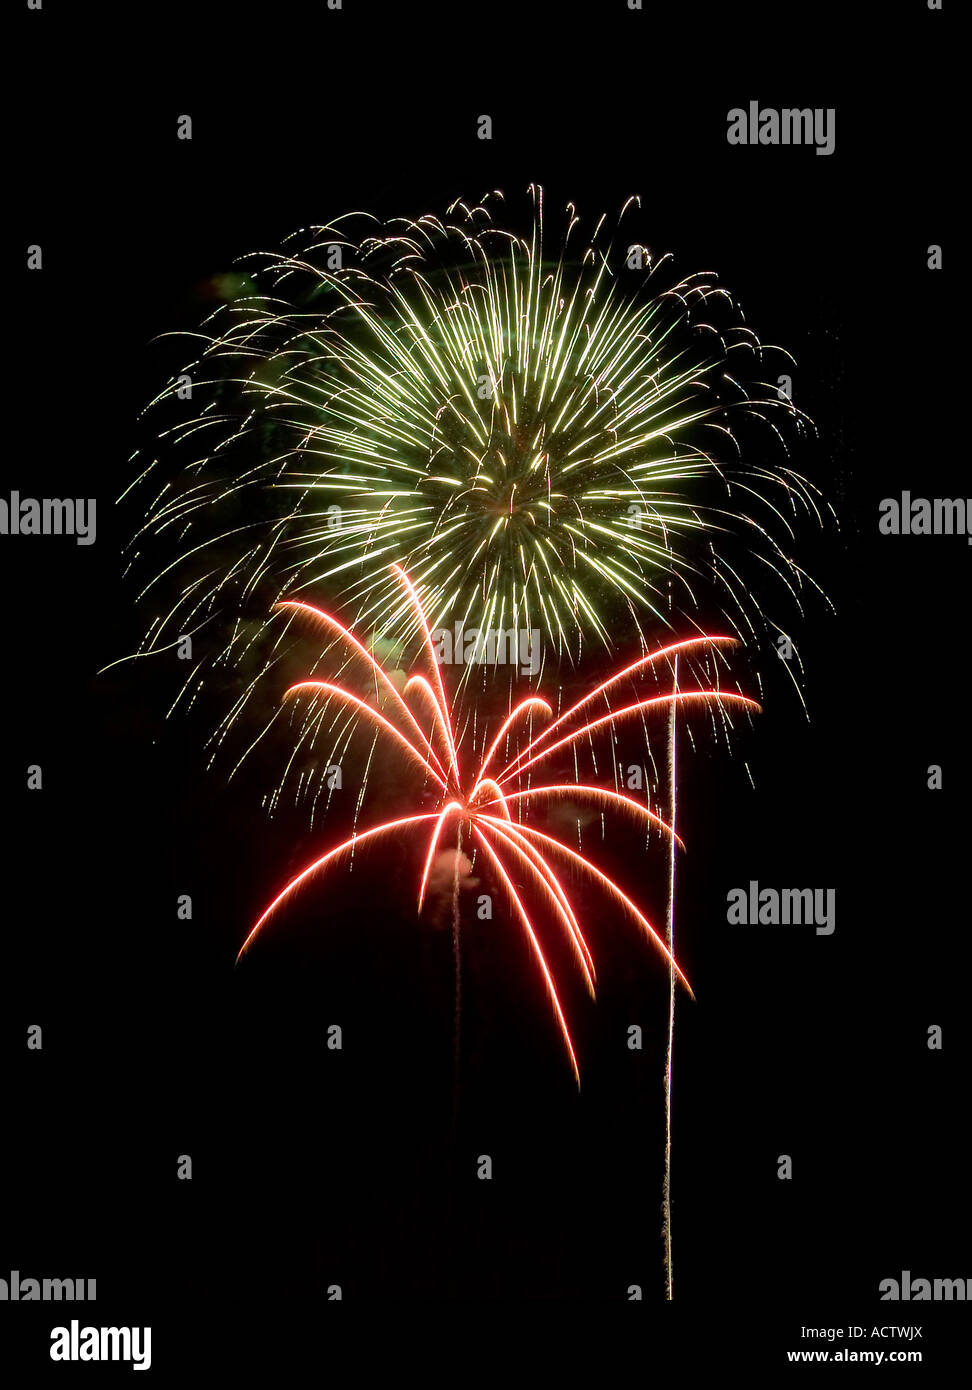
481 804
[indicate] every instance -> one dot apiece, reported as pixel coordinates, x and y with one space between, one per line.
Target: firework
488 807
570 440
551 434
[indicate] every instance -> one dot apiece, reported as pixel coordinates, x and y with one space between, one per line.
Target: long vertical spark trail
457 954
670 944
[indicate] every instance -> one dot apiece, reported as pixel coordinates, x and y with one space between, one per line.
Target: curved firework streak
570 439
483 805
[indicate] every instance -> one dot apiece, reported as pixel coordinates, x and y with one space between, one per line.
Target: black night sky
312 1168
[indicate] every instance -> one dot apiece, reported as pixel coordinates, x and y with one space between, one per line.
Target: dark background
311 1167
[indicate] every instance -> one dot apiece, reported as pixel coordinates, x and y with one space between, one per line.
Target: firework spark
571 441
521 857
